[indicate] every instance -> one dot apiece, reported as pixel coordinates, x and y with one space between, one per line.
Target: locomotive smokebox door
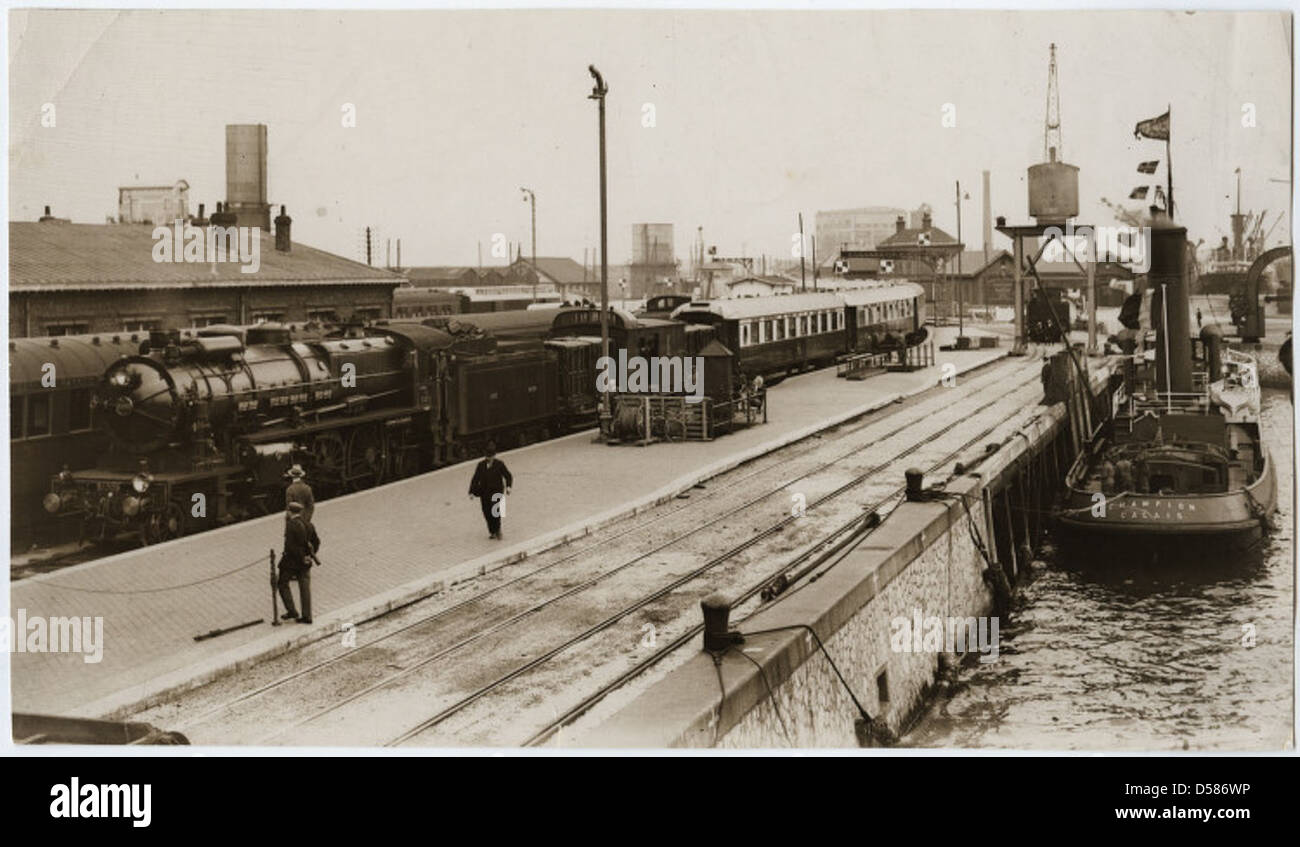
717 371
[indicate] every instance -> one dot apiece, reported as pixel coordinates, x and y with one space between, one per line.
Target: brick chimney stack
223 218
925 221
282 228
900 224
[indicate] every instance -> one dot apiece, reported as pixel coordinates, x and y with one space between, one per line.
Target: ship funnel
1170 306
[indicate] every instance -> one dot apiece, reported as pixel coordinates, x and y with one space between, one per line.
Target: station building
69 278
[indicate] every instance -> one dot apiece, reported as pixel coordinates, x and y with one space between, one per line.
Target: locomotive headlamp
52 503
130 506
141 481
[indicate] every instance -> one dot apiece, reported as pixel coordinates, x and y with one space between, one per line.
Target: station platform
383 548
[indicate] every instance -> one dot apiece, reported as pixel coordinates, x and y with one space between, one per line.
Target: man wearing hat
300 492
300 545
491 484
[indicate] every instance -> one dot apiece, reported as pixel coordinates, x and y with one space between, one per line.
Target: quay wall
778 688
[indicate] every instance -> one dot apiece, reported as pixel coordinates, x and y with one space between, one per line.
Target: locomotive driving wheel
327 454
164 524
367 463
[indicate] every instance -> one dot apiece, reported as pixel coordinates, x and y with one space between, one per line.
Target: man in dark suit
298 491
300 545
491 484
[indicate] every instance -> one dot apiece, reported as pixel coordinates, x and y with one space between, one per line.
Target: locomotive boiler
201 431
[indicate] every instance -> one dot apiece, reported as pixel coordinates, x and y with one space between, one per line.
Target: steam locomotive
201 430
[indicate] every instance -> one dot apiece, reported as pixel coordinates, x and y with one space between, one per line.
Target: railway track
833 545
488 617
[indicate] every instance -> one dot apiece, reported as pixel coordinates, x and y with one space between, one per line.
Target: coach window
16 407
38 415
79 409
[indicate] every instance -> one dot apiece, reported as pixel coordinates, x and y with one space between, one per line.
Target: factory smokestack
988 221
246 175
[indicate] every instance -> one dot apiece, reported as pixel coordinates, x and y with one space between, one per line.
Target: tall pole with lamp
598 93
531 199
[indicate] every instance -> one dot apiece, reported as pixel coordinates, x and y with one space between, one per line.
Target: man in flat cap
300 545
298 491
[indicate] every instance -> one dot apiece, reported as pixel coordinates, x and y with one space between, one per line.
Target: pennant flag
1157 128
1139 193
1148 167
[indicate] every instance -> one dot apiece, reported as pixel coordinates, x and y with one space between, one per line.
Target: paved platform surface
381 548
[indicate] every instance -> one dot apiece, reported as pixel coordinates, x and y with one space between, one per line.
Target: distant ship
1183 468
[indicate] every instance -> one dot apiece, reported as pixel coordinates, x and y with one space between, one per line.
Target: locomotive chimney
282 224
200 220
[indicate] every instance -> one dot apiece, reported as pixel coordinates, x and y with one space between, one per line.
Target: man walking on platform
300 545
491 484
299 491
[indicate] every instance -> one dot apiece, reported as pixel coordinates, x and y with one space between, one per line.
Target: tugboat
1181 466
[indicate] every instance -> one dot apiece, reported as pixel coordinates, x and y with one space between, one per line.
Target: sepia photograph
650 380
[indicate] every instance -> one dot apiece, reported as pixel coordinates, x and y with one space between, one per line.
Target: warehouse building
67 278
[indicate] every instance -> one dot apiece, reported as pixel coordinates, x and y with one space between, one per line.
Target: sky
757 116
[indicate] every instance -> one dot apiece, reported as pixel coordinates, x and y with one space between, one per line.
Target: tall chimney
246 175
988 221
900 224
399 254
282 224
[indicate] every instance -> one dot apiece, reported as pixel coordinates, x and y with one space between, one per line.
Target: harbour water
1169 657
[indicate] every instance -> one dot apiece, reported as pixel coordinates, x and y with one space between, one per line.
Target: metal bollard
717 637
915 479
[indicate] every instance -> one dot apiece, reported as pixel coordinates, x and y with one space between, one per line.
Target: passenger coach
773 336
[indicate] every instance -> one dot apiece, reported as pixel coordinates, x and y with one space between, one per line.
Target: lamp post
598 92
961 307
531 199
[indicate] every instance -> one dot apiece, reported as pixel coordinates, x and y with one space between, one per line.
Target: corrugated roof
562 269
44 257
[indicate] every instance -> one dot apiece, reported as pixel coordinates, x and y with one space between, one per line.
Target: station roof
88 257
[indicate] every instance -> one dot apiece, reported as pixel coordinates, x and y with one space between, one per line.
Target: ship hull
1185 525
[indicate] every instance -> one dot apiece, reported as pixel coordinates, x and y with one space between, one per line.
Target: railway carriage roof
75 357
534 323
761 307
881 293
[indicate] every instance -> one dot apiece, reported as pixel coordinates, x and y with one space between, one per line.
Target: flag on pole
1157 128
1148 167
1139 193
